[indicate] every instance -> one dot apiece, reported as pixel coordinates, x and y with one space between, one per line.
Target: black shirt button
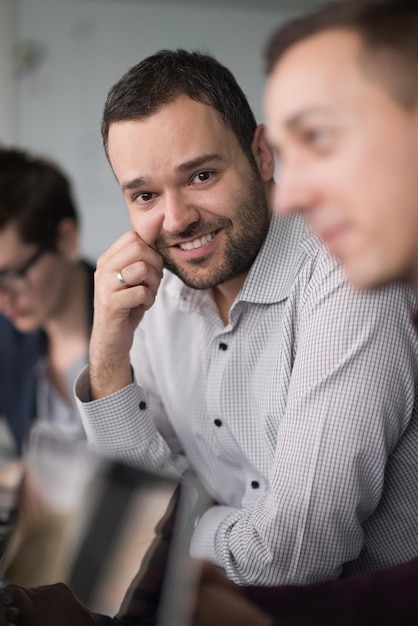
255 484
218 422
142 405
223 346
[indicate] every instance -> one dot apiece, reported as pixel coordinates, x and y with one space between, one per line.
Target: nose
293 192
178 213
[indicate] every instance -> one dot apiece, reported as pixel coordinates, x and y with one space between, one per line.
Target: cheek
40 296
369 234
398 232
48 285
146 224
379 251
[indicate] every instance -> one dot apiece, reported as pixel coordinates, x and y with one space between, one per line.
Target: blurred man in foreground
342 110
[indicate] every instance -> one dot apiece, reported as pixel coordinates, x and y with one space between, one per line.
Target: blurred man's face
348 157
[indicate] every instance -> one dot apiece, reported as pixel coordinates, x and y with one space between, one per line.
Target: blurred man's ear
68 239
263 153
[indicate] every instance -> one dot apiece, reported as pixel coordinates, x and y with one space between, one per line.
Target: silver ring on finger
121 279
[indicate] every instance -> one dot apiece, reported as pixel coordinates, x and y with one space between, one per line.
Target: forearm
261 546
107 375
122 426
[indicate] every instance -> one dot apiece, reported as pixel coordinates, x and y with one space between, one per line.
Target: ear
68 239
263 153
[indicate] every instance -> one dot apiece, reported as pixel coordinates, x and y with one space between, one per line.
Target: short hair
35 196
159 79
388 32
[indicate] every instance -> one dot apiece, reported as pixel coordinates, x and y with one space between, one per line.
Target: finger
42 597
134 265
50 605
128 250
138 296
139 273
116 299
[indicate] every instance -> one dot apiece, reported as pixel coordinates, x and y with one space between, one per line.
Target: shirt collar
271 276
274 270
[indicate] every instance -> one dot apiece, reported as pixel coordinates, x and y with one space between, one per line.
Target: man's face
191 191
348 155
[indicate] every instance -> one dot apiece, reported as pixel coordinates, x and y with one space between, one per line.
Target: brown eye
202 177
144 196
317 137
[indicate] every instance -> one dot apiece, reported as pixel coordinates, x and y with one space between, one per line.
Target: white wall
7 83
87 45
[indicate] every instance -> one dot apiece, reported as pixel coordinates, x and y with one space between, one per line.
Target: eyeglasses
15 281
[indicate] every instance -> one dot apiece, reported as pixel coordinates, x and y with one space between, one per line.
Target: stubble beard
242 246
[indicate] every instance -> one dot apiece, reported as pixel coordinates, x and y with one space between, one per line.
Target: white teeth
197 243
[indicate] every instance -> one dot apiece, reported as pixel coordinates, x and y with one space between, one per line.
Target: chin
369 275
25 325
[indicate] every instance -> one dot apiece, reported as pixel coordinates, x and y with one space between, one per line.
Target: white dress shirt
299 416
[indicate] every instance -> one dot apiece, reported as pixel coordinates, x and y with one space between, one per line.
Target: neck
225 295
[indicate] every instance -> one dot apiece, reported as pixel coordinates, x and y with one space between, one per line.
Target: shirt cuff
111 423
82 389
82 386
202 545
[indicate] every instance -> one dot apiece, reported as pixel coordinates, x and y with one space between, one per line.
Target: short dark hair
159 79
388 31
35 195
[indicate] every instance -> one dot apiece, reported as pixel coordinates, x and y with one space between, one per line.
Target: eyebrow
198 162
134 184
187 166
297 119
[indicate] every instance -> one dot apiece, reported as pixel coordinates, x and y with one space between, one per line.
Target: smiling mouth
197 243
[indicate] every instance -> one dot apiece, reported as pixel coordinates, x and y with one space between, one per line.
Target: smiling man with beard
249 357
